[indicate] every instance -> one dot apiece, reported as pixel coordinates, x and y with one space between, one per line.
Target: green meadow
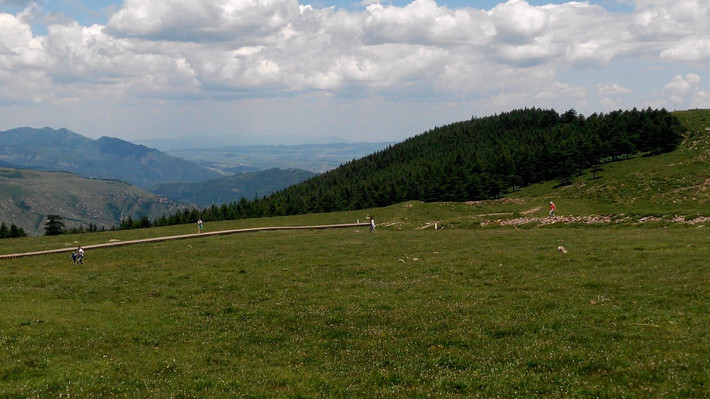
471 309
404 312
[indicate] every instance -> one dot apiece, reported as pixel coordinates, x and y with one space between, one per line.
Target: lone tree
596 168
54 225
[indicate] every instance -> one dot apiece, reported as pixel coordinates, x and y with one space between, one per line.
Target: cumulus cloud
667 19
227 49
686 90
23 61
518 22
281 44
690 49
612 89
202 20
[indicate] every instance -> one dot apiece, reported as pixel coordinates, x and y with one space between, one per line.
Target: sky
240 72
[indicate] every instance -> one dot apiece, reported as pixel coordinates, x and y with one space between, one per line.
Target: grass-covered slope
668 188
675 183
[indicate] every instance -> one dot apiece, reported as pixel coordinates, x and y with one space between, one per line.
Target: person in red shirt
552 208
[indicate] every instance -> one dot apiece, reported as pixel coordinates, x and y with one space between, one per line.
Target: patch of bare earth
591 219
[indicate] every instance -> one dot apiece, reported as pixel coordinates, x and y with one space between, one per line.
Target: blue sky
98 11
216 72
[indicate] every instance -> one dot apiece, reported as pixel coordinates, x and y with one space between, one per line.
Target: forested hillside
231 188
482 158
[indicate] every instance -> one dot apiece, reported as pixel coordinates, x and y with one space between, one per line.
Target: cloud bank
228 56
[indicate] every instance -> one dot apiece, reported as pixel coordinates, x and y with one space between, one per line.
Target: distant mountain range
99 186
106 158
232 188
28 196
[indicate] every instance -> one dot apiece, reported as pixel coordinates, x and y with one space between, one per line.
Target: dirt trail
182 237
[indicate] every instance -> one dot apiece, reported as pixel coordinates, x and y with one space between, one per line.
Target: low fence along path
183 237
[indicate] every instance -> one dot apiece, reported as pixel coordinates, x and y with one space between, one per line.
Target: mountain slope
674 183
671 189
27 196
106 158
232 188
481 159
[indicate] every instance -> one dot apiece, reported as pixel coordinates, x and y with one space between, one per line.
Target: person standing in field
372 224
552 208
199 226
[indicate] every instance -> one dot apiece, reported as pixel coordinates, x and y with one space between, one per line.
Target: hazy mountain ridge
316 158
106 158
27 196
114 161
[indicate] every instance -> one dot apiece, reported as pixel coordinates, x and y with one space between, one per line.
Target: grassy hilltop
470 310
676 183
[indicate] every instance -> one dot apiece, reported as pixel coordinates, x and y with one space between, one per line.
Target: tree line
478 159
481 158
54 225
11 232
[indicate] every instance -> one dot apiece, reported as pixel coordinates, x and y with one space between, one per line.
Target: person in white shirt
80 255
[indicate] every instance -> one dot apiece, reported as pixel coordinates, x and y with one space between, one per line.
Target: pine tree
54 225
16 232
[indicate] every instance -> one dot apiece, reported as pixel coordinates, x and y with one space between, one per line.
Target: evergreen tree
471 160
16 232
54 225
596 168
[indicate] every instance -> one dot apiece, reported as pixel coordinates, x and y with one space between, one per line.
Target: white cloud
516 21
612 89
202 20
424 22
221 51
690 49
18 47
665 19
685 90
22 60
304 48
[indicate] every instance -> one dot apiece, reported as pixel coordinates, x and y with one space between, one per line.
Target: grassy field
470 310
345 313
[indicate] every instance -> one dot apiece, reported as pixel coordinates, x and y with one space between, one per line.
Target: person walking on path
199 226
372 224
552 208
80 255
